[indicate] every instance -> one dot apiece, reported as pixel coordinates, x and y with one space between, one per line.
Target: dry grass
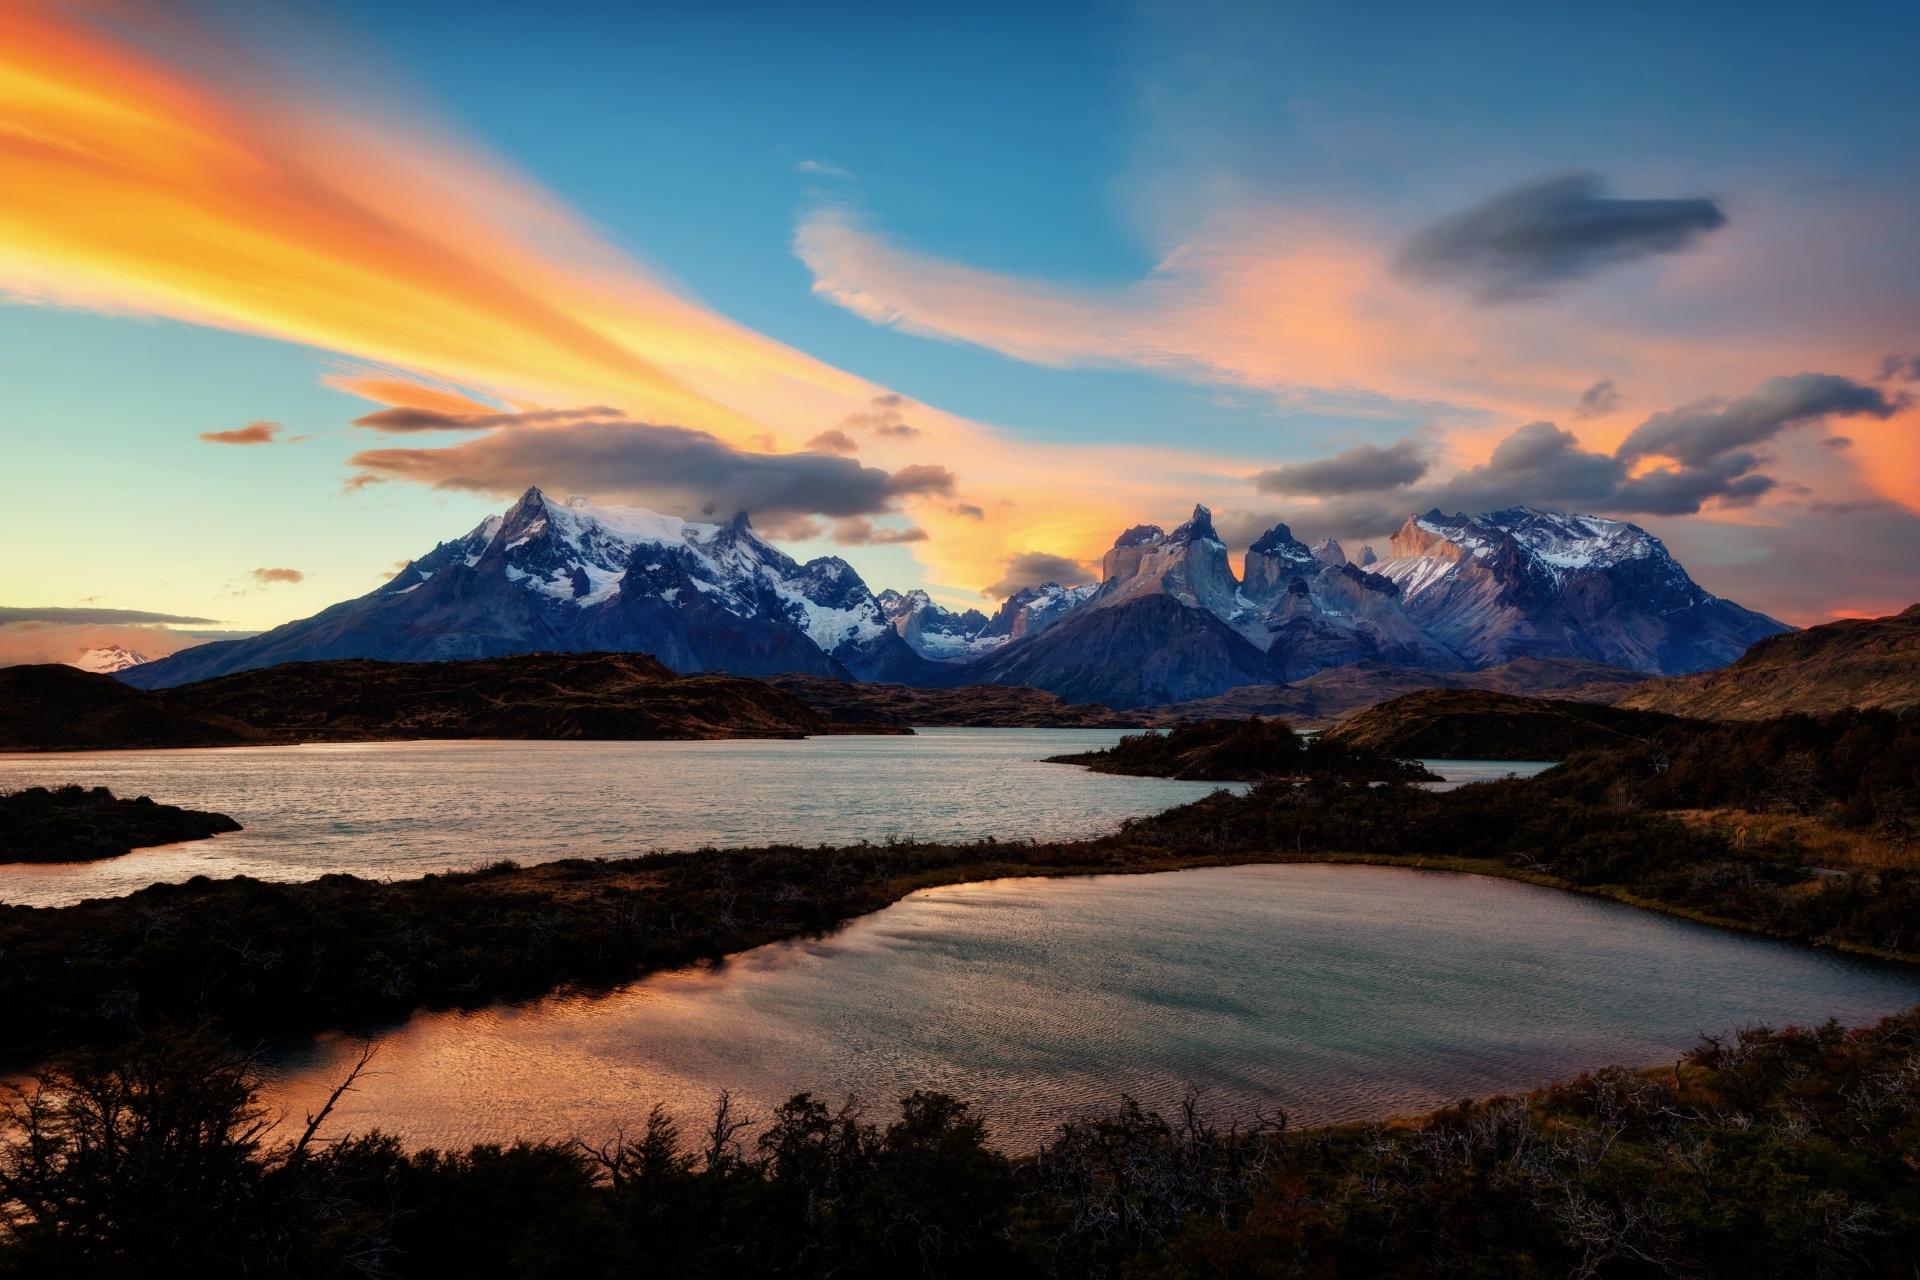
1814 841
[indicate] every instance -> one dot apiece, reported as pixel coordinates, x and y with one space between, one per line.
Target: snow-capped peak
108 659
1565 541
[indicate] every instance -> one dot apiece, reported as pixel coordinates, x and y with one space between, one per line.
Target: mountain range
1168 622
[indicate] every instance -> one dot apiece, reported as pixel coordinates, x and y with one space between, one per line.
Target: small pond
1336 992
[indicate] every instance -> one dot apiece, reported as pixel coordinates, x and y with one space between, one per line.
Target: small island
1250 750
75 824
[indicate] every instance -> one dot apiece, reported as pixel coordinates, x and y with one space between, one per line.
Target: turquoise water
1338 993
392 809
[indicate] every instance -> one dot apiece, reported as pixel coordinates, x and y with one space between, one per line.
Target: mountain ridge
1457 594
579 577
1852 663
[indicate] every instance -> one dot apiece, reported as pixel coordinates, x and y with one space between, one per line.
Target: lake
1338 993
397 809
394 809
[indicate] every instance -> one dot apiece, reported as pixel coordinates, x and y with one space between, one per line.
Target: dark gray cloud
1903 368
670 469
252 433
1031 568
1695 433
93 617
405 419
1598 400
1533 237
1364 468
968 510
862 532
1540 461
1713 445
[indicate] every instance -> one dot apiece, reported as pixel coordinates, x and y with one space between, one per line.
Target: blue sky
1060 157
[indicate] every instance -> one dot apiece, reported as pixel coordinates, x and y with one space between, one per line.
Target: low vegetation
1477 724
74 824
1249 750
1765 1154
54 707
608 696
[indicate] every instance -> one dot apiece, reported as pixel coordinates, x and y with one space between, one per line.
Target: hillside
974 706
536 696
54 707
1329 696
1250 750
1853 663
1479 724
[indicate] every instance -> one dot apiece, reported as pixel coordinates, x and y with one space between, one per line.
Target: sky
290 293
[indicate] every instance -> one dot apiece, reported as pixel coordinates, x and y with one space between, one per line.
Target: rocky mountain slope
1522 582
1852 663
56 707
1458 594
1130 653
577 577
1477 724
941 635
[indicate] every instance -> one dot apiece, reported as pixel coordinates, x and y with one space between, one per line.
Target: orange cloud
137 184
1309 309
252 433
154 167
407 393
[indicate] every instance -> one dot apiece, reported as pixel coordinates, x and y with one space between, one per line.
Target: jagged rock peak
1328 552
1279 543
1367 557
1435 534
1141 535
1198 526
1273 539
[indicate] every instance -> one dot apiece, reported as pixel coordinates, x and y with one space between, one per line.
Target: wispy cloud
96 617
252 433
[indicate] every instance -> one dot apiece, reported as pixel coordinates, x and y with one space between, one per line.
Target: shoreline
881 895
